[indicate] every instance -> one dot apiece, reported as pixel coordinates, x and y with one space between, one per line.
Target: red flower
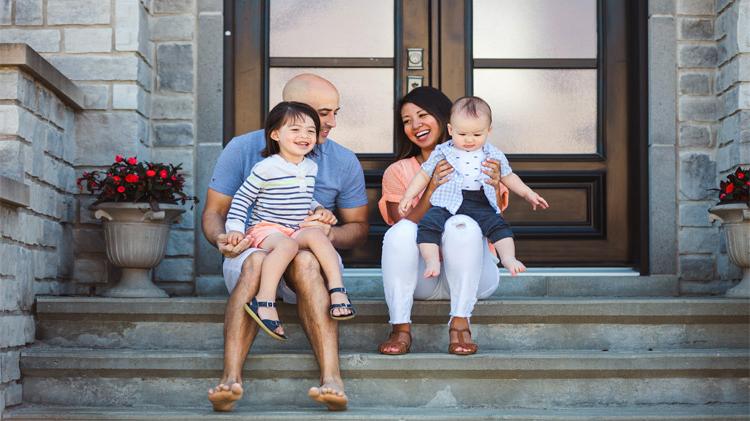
119 158
730 188
150 173
740 175
121 189
173 178
132 160
163 173
116 178
131 178
721 196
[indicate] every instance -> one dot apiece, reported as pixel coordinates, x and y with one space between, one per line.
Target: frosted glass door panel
332 28
518 29
365 122
540 111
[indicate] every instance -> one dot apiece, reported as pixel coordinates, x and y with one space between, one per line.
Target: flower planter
136 240
735 218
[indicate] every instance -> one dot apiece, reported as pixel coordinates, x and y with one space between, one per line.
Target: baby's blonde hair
472 106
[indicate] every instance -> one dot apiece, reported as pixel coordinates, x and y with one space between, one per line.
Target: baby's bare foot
225 396
432 268
513 265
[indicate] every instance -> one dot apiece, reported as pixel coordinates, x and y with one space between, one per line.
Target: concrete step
254 412
490 379
508 324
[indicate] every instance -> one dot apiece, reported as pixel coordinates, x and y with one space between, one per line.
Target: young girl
279 195
466 193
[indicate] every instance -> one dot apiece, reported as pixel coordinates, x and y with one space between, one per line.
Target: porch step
254 412
518 324
543 380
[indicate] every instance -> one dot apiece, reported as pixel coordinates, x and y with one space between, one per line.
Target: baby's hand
325 216
234 237
536 200
404 205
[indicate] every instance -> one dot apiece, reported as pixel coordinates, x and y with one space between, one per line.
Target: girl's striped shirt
276 191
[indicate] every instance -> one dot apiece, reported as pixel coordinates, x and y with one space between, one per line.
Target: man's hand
315 220
536 200
227 249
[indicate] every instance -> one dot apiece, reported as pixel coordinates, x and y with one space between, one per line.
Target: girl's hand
536 200
325 216
440 176
404 205
492 169
234 237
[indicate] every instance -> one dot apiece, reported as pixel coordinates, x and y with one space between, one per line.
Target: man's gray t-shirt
340 182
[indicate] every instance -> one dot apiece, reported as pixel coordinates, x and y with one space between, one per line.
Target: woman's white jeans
468 271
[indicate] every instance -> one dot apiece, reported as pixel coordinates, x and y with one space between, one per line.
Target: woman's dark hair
283 113
434 103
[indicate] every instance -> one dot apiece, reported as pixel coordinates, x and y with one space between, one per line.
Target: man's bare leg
305 278
239 333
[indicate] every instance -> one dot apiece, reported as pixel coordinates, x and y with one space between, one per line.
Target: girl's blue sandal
342 305
266 324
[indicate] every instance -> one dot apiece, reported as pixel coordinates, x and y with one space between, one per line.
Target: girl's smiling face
420 127
296 138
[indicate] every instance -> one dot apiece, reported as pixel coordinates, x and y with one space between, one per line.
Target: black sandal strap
342 305
265 303
341 289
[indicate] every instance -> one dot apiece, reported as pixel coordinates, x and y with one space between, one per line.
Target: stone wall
37 205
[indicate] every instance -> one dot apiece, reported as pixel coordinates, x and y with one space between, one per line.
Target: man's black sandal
342 305
266 324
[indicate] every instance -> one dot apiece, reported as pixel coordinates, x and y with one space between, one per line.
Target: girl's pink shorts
258 232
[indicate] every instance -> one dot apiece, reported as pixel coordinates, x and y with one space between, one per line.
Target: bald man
339 185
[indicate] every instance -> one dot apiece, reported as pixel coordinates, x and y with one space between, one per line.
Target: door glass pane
331 28
537 111
534 28
365 122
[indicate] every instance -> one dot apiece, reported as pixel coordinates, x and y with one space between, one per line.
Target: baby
468 191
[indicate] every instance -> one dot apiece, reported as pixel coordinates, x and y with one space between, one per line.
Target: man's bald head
301 87
318 93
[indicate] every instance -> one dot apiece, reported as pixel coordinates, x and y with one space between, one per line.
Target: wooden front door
557 75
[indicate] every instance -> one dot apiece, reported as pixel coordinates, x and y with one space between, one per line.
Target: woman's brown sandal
393 339
461 347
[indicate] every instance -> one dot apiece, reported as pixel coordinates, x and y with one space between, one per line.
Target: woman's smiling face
420 127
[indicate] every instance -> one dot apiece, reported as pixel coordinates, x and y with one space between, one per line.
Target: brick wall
37 150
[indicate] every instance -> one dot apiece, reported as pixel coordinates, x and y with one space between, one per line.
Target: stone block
127 97
13 394
6 13
663 206
728 130
95 97
16 330
102 135
698 240
88 240
9 365
41 40
93 67
695 135
45 264
90 271
176 156
697 55
695 7
696 29
696 267
727 157
88 40
172 6
175 67
697 176
695 84
697 109
86 12
171 107
29 12
661 7
173 134
9 254
172 28
208 259
181 243
210 6
131 27
12 159
9 119
210 85
9 84
728 101
16 294
174 270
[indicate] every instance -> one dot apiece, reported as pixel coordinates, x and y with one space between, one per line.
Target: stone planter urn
735 218
136 240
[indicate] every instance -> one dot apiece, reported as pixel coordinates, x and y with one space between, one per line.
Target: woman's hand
491 167
440 176
536 200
